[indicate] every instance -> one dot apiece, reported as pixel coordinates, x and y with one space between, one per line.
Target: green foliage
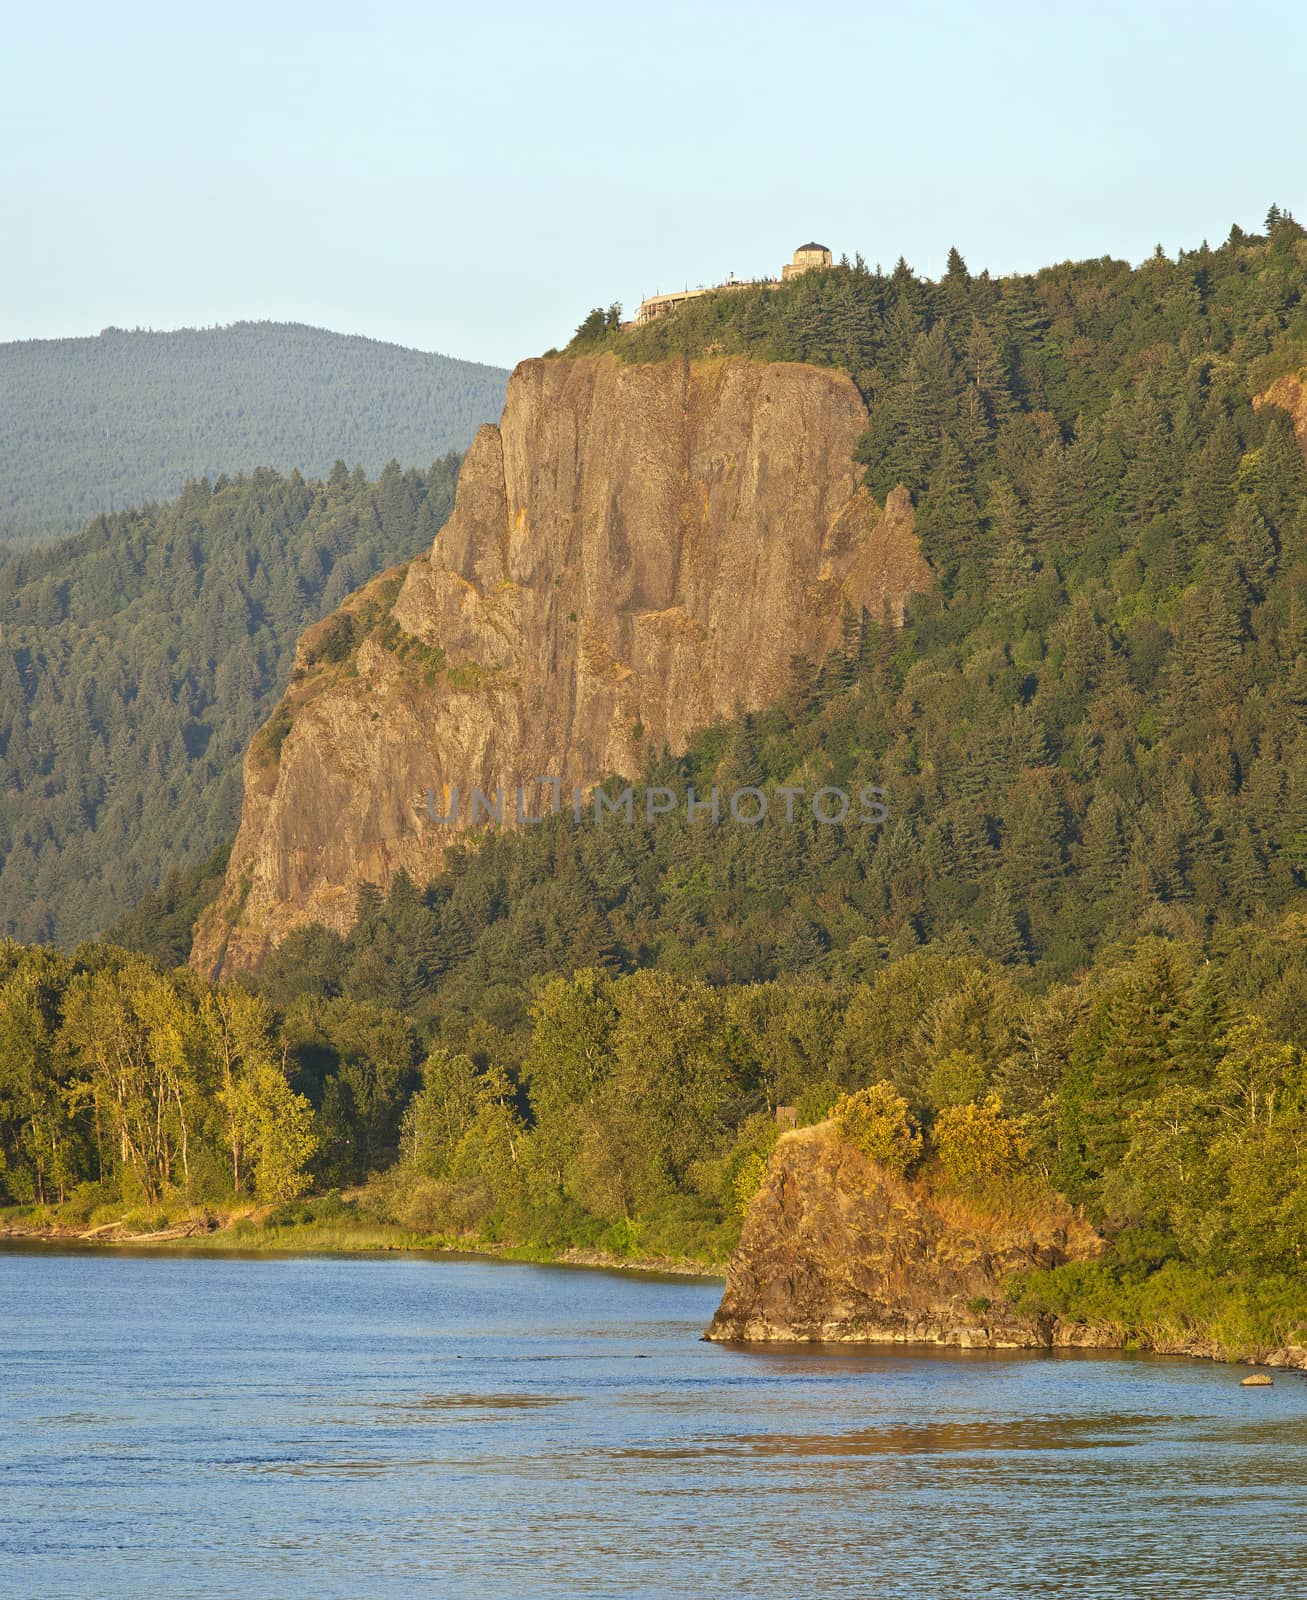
440 1114
161 924
356 1061
1177 1304
640 1107
137 660
1093 726
1219 1161
977 1145
95 425
275 1127
877 1120
123 1082
749 1178
596 330
630 1085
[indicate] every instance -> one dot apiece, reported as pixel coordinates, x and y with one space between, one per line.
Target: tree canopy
138 658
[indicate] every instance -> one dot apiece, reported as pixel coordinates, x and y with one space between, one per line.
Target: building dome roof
811 246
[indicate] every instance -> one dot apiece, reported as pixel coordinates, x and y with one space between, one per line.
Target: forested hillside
137 659
92 425
1092 728
1073 957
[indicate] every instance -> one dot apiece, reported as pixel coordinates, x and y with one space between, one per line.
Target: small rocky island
837 1248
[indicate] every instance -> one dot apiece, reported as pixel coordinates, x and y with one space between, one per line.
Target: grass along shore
326 1225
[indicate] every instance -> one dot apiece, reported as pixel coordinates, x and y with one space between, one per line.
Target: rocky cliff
1290 394
835 1248
635 550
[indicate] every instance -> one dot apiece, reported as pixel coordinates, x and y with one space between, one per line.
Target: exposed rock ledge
836 1250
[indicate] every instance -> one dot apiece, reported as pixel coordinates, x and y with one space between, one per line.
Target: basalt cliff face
836 1249
635 550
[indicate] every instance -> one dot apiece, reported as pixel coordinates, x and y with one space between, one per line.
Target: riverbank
1175 1312
1053 1337
249 1232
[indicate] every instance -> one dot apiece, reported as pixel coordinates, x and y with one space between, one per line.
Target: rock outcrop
634 551
1290 394
834 1248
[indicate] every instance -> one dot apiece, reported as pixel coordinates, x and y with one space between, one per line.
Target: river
360 1428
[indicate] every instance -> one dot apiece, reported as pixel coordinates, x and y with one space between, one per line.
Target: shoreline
233 1239
244 1238
1069 1338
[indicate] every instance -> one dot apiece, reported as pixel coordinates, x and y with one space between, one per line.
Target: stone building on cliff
806 258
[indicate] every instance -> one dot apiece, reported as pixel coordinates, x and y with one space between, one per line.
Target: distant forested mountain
137 658
92 425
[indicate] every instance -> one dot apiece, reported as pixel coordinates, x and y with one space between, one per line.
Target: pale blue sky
472 179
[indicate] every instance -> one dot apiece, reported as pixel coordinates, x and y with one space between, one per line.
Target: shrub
271 737
749 1178
977 1143
878 1122
335 642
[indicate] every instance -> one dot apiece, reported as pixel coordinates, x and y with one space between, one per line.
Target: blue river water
359 1428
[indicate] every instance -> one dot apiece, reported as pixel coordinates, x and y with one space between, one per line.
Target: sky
472 179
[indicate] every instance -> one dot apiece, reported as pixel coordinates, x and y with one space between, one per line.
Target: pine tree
799 948
1209 485
1247 872
1198 1041
1148 484
924 404
1221 627
1000 938
1103 846
949 518
1253 547
367 912
987 375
